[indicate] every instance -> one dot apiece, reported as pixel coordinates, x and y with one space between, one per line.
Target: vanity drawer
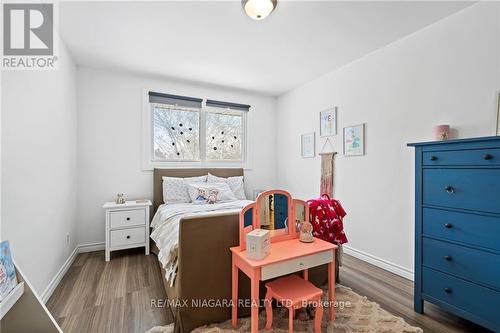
474 302
294 265
475 189
474 265
127 218
478 157
466 228
124 237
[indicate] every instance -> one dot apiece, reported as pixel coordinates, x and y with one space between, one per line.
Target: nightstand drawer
126 237
127 218
295 265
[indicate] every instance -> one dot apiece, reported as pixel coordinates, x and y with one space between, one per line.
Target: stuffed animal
212 196
120 199
201 198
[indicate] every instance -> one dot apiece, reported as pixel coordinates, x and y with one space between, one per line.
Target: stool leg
269 311
318 316
290 319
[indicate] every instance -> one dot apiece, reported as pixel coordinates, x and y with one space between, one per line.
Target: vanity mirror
276 211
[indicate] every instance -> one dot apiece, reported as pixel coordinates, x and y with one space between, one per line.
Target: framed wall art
498 115
354 140
308 145
328 122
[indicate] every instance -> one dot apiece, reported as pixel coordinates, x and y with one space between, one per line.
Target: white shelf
11 299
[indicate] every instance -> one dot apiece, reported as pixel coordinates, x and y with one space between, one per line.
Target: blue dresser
457 228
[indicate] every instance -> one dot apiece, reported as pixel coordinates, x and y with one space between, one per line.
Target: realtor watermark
241 303
29 36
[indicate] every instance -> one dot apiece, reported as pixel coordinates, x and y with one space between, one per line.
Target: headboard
158 173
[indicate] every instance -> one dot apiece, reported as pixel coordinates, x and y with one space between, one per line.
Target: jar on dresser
457 228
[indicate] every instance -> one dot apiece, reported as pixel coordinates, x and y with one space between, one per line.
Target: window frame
148 159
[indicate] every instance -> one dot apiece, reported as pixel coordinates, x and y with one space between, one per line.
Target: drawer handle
433 158
487 156
447 290
128 218
301 264
449 189
128 237
448 225
447 258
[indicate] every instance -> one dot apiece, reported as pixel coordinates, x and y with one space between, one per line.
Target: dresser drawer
479 303
127 218
478 157
294 265
474 265
466 228
474 189
124 237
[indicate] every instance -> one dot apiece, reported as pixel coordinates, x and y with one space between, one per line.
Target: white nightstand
127 226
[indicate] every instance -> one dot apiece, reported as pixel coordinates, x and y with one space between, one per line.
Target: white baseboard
83 248
376 261
58 277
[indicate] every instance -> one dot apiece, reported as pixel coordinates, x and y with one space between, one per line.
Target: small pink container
441 132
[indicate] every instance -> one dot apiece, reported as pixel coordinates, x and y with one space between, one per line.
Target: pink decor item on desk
441 132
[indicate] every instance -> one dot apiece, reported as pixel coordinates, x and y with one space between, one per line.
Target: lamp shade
258 9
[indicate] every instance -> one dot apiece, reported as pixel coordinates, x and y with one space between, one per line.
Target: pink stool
293 292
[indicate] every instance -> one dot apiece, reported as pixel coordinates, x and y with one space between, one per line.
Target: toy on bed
212 196
201 198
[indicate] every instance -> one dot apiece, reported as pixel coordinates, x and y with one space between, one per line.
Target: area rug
354 314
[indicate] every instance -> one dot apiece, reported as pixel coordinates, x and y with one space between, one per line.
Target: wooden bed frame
204 260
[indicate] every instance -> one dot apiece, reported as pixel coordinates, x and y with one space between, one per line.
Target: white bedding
165 226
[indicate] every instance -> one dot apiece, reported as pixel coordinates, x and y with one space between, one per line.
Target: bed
201 291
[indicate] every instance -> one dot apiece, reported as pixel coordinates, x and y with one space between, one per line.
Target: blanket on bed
165 226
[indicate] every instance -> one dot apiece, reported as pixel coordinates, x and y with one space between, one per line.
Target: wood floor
95 296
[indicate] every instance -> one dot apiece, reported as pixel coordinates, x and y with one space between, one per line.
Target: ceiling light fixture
259 9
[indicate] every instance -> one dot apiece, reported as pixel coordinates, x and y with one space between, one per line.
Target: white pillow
199 192
235 184
175 189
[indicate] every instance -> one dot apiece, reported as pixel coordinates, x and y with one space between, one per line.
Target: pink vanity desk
288 255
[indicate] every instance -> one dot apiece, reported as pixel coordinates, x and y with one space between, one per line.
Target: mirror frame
245 230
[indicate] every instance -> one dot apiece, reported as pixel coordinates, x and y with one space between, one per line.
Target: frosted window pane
224 132
176 134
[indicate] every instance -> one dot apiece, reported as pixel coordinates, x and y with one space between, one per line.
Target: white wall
39 168
109 145
446 73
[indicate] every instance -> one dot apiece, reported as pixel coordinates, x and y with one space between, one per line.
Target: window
182 130
224 134
176 133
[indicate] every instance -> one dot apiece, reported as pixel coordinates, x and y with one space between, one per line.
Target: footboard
203 281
